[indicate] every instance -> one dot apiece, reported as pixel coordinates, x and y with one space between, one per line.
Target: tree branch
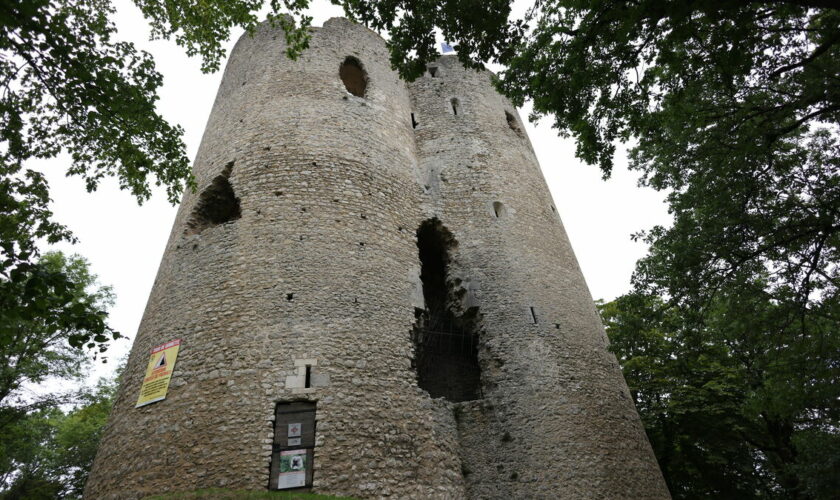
823 48
808 4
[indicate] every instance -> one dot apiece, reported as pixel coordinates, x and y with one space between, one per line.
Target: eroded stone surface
321 268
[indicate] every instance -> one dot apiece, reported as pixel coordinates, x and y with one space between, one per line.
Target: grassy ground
223 494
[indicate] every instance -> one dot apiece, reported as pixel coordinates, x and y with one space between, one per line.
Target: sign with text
292 469
158 372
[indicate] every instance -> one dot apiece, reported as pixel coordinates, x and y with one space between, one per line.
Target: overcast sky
124 242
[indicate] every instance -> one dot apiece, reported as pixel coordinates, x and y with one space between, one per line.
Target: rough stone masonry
388 251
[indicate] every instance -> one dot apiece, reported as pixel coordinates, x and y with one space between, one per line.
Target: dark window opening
445 336
413 121
433 71
533 315
216 205
455 105
512 123
307 383
498 208
354 77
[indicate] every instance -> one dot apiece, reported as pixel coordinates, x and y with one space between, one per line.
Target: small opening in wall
290 296
533 315
216 205
433 71
413 121
498 208
353 75
456 104
307 383
512 123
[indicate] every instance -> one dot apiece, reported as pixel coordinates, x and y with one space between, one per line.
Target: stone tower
386 254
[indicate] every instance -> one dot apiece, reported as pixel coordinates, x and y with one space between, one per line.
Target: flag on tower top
445 47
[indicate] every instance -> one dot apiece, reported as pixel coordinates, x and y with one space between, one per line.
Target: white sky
124 242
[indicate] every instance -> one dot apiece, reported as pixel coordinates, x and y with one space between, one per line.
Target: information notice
158 372
292 469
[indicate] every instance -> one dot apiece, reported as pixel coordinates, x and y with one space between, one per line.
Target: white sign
294 430
294 442
292 469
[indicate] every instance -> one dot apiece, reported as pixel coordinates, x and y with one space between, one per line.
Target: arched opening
445 335
216 205
354 76
456 105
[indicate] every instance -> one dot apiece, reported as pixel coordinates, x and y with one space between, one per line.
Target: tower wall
557 419
321 268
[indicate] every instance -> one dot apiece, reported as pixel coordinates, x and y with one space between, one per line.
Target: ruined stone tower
380 263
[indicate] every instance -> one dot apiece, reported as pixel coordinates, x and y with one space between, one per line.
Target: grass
225 494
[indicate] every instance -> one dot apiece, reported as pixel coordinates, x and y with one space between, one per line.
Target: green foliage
77 436
49 452
740 402
22 455
202 27
733 107
67 85
45 344
480 27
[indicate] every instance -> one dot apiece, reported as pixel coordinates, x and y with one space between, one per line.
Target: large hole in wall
512 123
354 77
445 334
216 205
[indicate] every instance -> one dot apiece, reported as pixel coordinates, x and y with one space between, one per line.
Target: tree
738 402
37 348
48 454
67 85
24 459
734 109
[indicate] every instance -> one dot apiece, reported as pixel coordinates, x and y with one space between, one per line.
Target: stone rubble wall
322 269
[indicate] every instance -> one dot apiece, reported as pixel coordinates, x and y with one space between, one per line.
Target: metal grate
441 334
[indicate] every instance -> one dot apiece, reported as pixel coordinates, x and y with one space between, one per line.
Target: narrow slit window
413 121
308 380
498 208
354 77
455 105
533 315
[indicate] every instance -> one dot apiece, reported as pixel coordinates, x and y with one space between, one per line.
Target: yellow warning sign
158 373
